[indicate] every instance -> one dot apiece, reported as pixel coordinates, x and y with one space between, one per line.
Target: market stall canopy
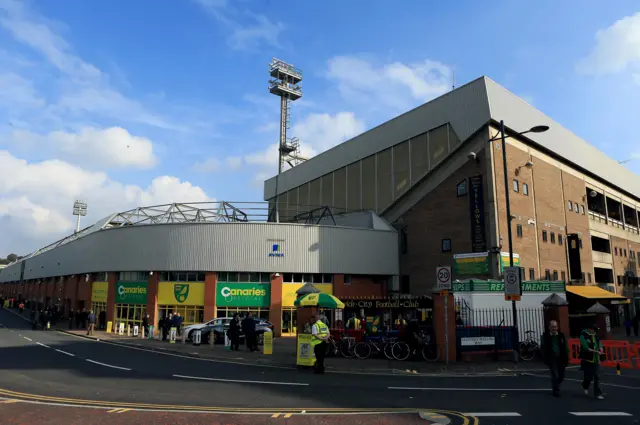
319 300
307 289
596 293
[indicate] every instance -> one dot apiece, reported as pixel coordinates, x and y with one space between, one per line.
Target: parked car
188 330
219 330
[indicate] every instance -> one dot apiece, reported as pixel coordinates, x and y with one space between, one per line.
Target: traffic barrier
616 353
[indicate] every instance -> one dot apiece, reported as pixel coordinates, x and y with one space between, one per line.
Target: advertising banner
131 293
476 214
305 356
181 293
243 294
476 264
505 260
99 292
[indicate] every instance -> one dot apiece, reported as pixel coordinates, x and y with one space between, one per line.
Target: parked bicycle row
387 346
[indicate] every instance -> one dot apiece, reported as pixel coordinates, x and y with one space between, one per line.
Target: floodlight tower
285 83
79 210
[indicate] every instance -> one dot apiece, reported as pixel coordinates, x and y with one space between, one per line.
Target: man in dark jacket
91 318
555 353
249 329
234 332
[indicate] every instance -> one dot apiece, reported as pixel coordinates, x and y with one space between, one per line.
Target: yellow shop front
289 316
185 298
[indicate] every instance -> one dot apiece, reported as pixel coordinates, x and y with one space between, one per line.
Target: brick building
433 174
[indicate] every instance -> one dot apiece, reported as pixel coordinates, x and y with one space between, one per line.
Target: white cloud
18 92
233 162
35 202
617 48
210 165
98 148
394 85
248 30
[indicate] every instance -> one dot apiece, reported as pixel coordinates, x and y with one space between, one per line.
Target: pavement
54 377
284 356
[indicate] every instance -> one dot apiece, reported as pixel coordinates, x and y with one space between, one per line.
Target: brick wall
359 286
578 222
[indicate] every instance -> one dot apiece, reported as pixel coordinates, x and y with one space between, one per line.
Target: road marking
492 414
288 415
64 352
466 389
9 401
107 365
240 381
580 380
46 346
275 415
600 414
28 339
121 410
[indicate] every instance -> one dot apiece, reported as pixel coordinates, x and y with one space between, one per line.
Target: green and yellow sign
471 264
498 286
243 294
181 293
505 261
131 293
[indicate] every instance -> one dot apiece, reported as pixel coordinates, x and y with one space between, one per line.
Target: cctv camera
529 164
277 275
150 273
472 155
593 193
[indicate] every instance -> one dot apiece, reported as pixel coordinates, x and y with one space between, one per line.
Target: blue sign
276 249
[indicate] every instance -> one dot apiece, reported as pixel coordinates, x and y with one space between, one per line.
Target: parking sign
512 281
443 282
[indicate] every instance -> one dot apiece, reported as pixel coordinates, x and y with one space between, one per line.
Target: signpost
512 284
443 284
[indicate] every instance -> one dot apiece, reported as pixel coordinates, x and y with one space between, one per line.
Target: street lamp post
503 137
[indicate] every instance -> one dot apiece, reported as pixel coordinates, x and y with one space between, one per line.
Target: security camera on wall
473 156
86 278
593 194
150 273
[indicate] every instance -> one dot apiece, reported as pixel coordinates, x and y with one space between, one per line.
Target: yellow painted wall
99 292
167 293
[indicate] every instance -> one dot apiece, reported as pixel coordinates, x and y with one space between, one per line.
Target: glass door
289 321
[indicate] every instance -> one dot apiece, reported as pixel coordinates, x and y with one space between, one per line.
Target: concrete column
112 278
210 282
275 309
152 298
439 326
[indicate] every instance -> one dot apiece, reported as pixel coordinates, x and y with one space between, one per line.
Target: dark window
516 186
233 277
581 209
625 252
347 279
583 277
589 277
575 207
461 189
563 276
243 277
287 277
446 245
327 278
553 237
570 204
615 250
403 241
559 239
580 243
547 274
555 275
532 274
405 284
525 189
519 230
544 235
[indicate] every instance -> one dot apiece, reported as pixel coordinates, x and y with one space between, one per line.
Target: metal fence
496 324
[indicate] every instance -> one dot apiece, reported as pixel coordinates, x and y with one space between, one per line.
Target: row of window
545 238
525 187
549 275
308 278
578 208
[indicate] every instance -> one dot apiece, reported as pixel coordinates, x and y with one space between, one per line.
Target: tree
12 257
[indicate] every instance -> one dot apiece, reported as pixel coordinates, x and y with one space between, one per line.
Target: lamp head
539 129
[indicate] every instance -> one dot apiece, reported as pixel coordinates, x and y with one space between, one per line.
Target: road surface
52 377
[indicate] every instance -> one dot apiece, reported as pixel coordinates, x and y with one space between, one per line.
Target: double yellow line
121 407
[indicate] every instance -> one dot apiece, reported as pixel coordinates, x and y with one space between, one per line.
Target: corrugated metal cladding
466 108
220 247
520 116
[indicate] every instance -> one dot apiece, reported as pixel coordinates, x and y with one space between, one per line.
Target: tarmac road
127 385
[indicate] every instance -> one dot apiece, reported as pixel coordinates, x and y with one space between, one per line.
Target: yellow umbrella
319 300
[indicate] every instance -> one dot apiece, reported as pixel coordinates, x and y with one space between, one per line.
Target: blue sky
124 104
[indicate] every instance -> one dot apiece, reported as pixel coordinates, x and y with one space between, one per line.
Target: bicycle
344 346
382 345
430 352
529 348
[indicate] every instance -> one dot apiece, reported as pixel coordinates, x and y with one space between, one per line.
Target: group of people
173 320
246 326
86 319
555 353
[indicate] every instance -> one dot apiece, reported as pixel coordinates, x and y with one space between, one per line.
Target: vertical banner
575 266
476 214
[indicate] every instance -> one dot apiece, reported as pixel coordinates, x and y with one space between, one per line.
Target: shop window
347 279
258 312
317 278
553 237
101 277
516 186
446 245
525 189
544 235
519 230
327 278
559 238
570 205
547 274
461 189
191 314
532 274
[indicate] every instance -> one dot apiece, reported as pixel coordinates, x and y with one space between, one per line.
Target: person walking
319 338
21 307
71 315
34 320
234 332
91 319
249 329
555 354
145 324
590 353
